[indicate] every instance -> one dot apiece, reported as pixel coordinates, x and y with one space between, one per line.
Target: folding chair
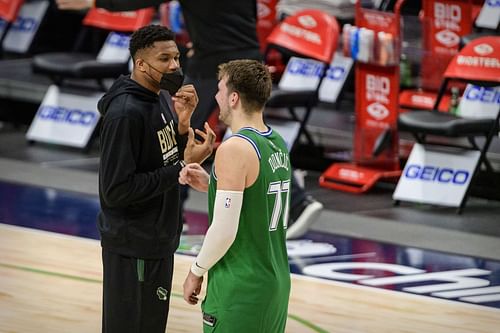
8 14
309 34
62 65
9 9
477 63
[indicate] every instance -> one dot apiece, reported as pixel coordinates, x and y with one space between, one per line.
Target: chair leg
303 121
486 163
460 208
303 126
484 150
293 114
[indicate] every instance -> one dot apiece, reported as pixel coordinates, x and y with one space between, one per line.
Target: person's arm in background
111 5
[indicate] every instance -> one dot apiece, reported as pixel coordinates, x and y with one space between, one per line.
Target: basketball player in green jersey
244 250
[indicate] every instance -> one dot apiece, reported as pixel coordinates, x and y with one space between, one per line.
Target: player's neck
254 120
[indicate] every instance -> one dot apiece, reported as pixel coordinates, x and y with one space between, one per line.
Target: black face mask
172 81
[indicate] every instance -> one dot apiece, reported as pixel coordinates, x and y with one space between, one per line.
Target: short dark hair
146 36
251 79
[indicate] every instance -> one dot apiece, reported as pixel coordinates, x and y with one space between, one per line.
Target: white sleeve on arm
222 232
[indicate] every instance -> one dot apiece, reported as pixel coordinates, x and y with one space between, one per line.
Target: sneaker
302 217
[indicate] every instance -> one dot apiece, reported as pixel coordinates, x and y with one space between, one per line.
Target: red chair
477 63
309 34
9 9
8 13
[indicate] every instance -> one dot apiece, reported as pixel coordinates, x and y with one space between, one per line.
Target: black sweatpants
136 293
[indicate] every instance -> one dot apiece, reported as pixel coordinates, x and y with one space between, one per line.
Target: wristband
197 270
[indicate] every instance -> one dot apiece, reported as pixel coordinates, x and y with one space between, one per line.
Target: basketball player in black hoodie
221 30
145 140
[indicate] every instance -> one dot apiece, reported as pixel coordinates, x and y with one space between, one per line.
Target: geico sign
118 40
487 95
461 283
436 174
25 24
308 68
64 115
305 68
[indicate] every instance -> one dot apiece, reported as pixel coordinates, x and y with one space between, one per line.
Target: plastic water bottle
365 52
354 34
405 71
454 101
346 40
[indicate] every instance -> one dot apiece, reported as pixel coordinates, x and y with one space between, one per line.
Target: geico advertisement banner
436 177
480 102
65 119
21 33
115 48
304 74
489 17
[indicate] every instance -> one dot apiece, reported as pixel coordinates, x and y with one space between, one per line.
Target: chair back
478 61
9 9
118 21
308 33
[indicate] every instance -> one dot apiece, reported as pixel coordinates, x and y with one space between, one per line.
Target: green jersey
248 289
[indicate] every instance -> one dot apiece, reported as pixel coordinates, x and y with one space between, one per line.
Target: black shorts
136 293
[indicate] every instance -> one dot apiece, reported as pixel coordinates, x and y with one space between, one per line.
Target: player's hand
192 288
185 101
74 4
199 150
195 176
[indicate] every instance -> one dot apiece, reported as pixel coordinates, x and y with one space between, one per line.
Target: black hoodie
138 174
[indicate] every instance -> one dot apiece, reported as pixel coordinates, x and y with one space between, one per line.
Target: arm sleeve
119 182
222 232
123 5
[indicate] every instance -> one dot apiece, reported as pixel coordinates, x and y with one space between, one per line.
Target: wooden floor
52 283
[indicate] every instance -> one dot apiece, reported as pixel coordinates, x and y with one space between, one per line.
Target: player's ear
234 98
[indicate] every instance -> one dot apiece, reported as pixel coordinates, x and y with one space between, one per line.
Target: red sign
309 32
9 9
377 89
376 141
118 21
266 20
377 21
422 100
444 22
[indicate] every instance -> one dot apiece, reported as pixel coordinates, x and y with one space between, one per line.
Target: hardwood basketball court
52 283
